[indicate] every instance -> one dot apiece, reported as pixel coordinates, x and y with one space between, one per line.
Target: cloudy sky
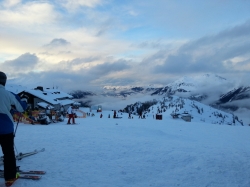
85 44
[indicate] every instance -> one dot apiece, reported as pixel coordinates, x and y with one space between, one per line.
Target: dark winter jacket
6 100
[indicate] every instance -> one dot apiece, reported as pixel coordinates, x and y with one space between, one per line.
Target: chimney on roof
39 88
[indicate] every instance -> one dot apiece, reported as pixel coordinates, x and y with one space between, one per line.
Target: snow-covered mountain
177 106
196 88
83 97
196 85
78 94
234 99
126 91
209 89
235 94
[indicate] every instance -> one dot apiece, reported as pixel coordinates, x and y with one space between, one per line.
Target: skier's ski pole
16 149
16 130
17 123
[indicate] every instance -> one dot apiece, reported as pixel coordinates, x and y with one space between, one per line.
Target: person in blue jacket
8 100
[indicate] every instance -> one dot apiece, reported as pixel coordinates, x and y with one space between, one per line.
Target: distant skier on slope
71 112
8 101
114 116
129 115
140 114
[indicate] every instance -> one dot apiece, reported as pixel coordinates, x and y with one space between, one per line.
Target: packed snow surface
107 152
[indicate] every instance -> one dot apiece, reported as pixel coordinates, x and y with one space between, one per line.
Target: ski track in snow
106 152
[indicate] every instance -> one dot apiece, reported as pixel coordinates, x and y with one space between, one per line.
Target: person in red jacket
71 112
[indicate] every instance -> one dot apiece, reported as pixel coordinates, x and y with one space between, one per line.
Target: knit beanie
3 78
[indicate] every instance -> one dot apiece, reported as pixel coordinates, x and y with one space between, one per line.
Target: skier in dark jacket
8 101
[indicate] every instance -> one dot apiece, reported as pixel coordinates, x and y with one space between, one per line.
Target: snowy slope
106 152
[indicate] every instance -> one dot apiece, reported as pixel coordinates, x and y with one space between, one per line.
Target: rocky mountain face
235 94
127 91
231 99
78 94
83 97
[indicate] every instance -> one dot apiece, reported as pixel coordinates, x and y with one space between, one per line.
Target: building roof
16 89
49 95
45 105
66 102
52 96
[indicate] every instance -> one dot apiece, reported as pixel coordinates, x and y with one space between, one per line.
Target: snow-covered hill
174 105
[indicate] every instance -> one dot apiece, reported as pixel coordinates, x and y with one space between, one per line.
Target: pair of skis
31 174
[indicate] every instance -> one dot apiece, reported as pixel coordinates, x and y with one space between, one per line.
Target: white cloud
74 4
11 3
23 64
31 13
64 34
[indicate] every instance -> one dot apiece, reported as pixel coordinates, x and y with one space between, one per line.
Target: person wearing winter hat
7 101
3 78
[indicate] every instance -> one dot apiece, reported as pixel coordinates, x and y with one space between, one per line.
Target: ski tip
32 177
36 177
